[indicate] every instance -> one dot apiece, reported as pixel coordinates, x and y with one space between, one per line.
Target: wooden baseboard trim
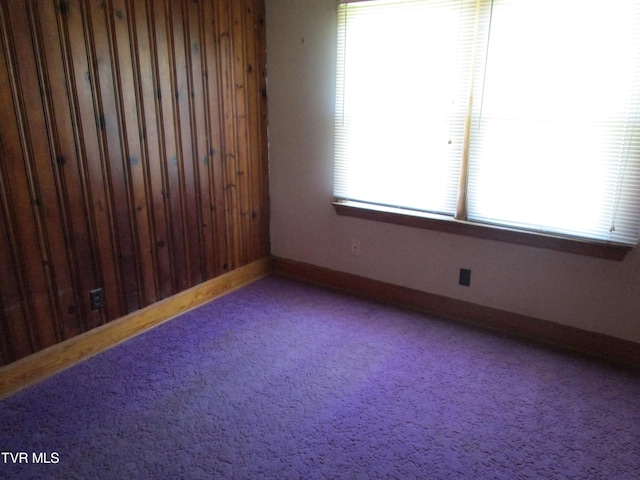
588 343
36 367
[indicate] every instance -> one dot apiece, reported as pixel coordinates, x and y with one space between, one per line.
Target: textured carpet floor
285 380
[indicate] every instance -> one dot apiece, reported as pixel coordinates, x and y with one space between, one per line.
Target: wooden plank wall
133 157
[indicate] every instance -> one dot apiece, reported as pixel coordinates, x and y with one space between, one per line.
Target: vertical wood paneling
138 150
145 55
242 173
214 120
25 217
163 39
69 178
132 156
228 153
262 241
117 15
194 14
110 130
19 340
63 284
189 188
82 82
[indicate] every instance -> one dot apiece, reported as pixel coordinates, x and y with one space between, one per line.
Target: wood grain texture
133 157
589 343
36 367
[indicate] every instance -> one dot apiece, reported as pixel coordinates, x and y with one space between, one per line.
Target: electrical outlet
97 299
355 247
465 277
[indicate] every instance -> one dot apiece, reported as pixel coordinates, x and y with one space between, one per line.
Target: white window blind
403 85
551 93
554 142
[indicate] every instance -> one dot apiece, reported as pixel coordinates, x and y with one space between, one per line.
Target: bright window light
396 116
527 110
550 120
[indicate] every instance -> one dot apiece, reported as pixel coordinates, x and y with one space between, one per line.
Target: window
519 114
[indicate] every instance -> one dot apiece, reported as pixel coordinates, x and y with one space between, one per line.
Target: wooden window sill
489 232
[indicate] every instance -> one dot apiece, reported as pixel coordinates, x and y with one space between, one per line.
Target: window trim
441 223
459 223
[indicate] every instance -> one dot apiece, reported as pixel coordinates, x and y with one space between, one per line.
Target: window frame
446 224
459 225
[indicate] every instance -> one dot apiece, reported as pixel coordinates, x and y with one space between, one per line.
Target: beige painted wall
596 295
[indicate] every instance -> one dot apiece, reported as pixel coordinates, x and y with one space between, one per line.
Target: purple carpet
286 380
